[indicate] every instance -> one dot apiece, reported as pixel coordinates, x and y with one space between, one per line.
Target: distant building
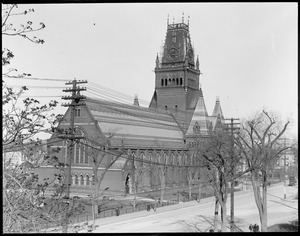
162 133
16 154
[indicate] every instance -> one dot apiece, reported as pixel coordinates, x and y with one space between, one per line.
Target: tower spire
182 17
168 20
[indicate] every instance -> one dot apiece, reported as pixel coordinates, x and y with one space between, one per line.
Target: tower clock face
172 54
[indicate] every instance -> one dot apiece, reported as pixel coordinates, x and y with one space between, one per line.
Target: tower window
169 81
166 82
162 82
180 81
177 82
176 108
173 81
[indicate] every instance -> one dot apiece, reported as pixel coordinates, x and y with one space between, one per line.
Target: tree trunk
134 199
162 195
261 201
199 192
223 217
264 218
216 216
190 190
162 183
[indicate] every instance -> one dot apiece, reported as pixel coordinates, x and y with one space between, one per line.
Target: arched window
166 108
76 179
134 158
180 81
80 149
177 82
77 152
86 159
142 157
87 180
166 82
93 180
81 180
82 152
169 81
173 81
162 82
184 159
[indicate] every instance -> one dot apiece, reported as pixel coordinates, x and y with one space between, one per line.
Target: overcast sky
248 52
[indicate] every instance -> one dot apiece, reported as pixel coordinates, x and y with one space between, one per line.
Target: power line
35 78
34 86
118 97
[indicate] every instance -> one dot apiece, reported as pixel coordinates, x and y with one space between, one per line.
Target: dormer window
196 128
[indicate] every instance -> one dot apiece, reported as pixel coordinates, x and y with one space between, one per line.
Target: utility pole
284 172
134 182
232 128
75 102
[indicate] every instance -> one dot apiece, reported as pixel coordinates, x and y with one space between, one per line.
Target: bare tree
192 172
221 161
25 30
100 154
138 174
259 143
27 208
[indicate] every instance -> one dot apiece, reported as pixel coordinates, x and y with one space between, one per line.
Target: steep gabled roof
218 110
217 114
135 126
199 120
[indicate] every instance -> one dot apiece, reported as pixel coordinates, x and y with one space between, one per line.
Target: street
195 217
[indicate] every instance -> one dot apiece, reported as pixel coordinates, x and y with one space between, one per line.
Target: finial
217 99
136 100
188 20
173 20
168 20
182 17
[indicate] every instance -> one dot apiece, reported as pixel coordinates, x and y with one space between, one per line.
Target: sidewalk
273 190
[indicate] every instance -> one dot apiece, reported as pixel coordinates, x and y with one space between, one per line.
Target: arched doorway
128 189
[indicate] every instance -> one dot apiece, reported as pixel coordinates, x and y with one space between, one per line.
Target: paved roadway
195 217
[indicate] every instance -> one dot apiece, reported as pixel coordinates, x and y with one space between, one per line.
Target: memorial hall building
137 138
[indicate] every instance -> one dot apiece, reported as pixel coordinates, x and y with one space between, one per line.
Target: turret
157 61
197 64
136 101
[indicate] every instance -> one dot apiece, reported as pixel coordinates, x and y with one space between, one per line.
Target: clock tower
177 76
